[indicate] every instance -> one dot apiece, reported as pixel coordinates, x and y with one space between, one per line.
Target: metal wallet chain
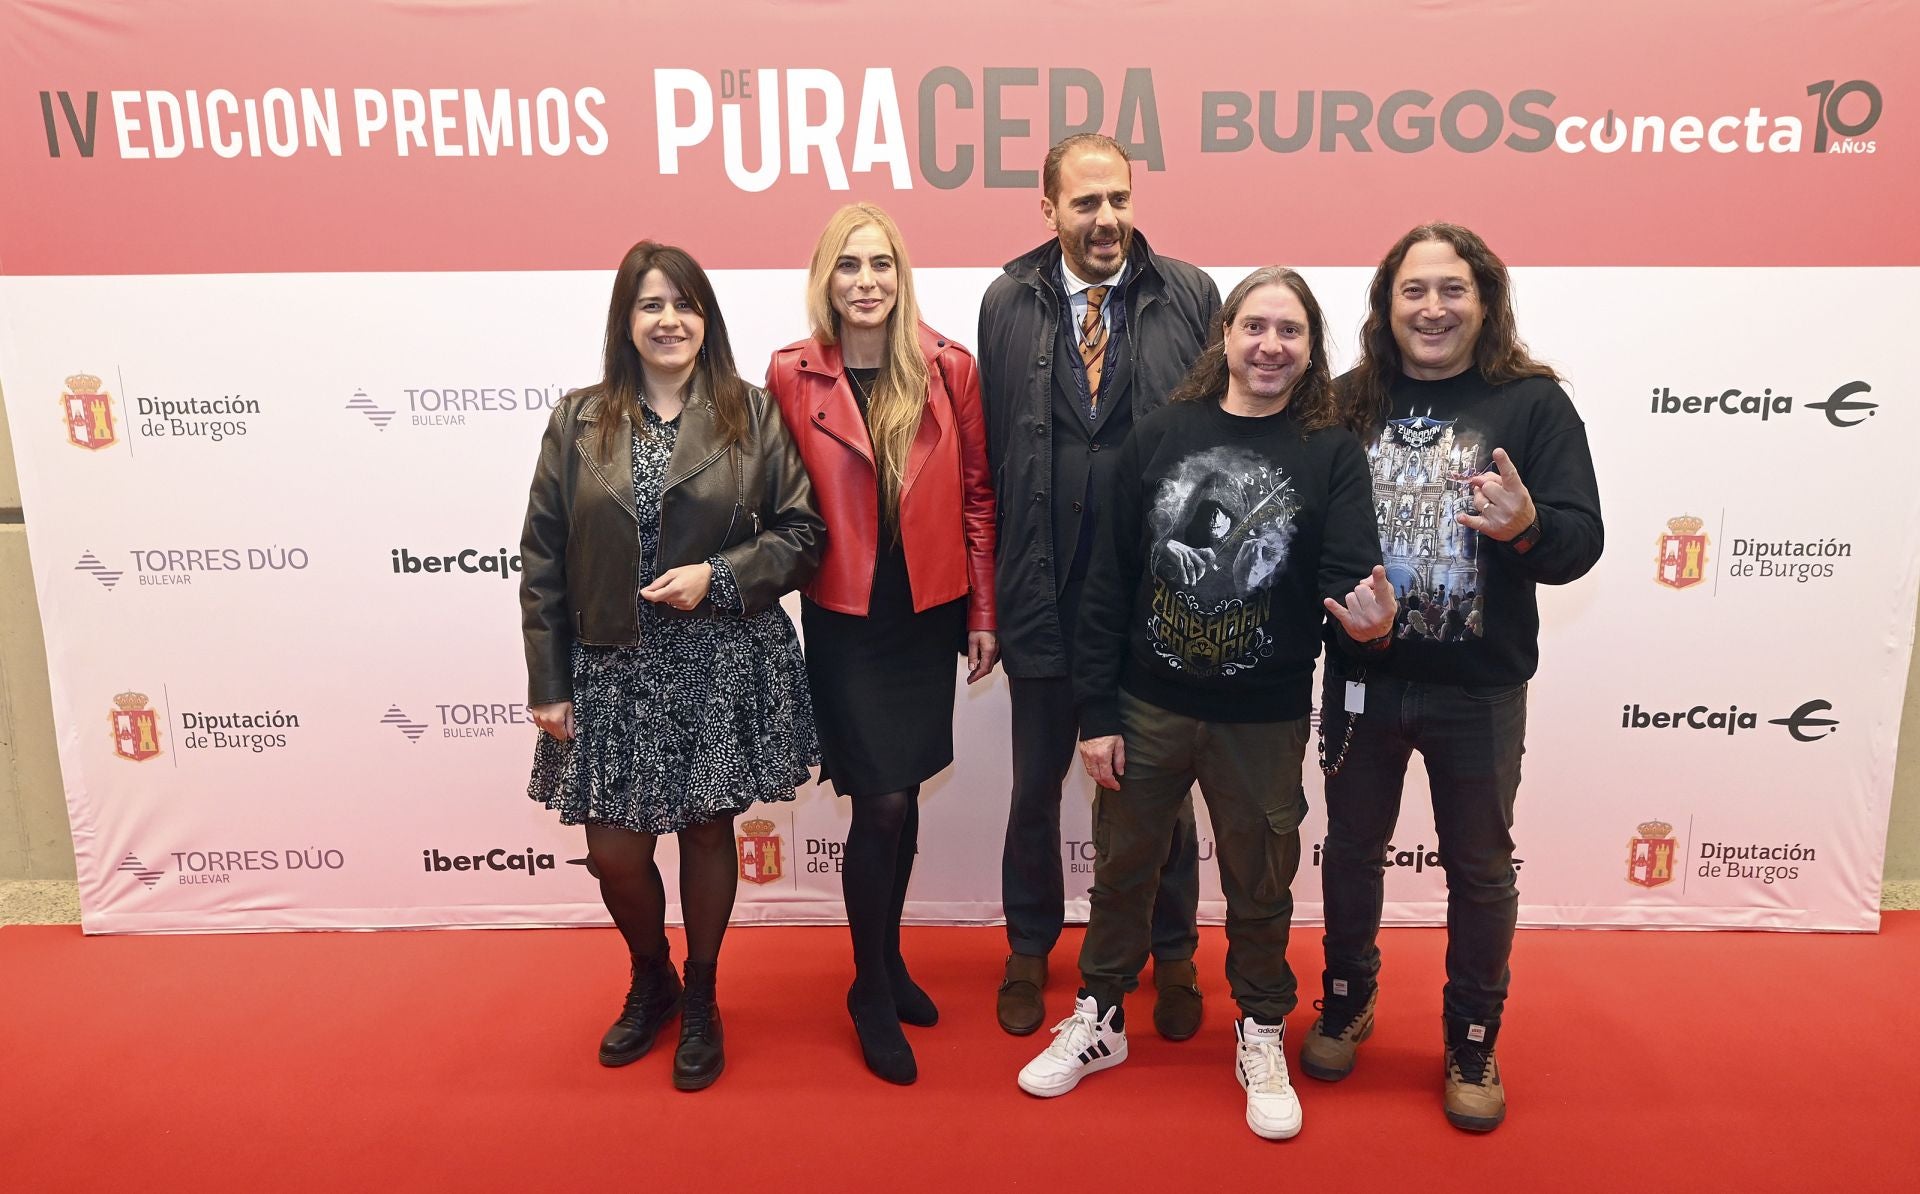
1332 769
1346 742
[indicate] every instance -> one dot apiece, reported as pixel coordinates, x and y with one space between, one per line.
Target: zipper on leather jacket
740 494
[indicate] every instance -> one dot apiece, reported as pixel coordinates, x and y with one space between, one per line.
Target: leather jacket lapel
614 471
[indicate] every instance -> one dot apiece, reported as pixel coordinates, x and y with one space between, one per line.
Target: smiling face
665 330
1092 213
1437 312
864 282
1268 348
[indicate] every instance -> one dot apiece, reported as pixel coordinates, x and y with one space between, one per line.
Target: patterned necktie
1093 345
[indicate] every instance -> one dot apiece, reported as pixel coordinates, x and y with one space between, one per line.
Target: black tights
630 884
881 843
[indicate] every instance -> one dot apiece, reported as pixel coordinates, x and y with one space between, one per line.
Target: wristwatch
1526 540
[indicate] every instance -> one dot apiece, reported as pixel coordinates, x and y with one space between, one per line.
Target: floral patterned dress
703 718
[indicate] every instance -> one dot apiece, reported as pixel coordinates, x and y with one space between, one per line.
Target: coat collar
832 407
695 447
821 359
825 360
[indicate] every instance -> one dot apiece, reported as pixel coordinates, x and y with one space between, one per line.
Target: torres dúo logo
205 867
460 719
131 865
91 565
1078 853
165 567
399 720
445 406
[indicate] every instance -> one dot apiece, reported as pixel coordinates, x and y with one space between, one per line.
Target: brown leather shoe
1176 1009
1020 1008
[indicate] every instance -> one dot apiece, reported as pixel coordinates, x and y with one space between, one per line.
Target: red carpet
1635 1062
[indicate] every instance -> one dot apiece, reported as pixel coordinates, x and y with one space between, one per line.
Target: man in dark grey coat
1078 339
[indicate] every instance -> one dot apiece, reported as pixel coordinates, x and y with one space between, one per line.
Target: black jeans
1472 739
1046 737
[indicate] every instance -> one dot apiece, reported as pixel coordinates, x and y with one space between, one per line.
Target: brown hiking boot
1176 1007
1475 1100
1020 1008
1328 1051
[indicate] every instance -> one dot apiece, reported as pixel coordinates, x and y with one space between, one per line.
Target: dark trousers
1472 740
1249 773
1046 739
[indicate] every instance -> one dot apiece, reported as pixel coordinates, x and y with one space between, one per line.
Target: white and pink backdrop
285 295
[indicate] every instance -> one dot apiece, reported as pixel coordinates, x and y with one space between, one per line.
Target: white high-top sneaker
1083 1043
1273 1111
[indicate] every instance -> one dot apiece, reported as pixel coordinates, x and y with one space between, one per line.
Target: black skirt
883 684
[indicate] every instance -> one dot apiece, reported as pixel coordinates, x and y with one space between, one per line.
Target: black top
1467 609
883 684
861 382
1222 535
866 378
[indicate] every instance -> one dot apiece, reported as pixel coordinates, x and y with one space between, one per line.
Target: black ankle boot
911 1004
700 1058
882 1043
651 999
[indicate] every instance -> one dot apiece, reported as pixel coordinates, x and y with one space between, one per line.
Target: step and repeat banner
285 297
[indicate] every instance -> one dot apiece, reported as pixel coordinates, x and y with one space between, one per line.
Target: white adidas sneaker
1084 1043
1273 1110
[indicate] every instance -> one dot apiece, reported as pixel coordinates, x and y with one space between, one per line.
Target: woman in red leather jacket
886 413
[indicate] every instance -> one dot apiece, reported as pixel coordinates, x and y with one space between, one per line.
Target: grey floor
57 901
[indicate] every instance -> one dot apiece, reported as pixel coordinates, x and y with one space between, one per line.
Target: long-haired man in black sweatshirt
1239 516
1484 488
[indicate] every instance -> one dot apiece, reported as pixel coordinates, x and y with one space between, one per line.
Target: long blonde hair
899 395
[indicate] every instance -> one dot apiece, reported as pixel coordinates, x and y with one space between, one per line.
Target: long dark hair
1499 354
623 382
1311 400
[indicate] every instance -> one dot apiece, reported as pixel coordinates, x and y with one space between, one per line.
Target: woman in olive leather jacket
668 514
